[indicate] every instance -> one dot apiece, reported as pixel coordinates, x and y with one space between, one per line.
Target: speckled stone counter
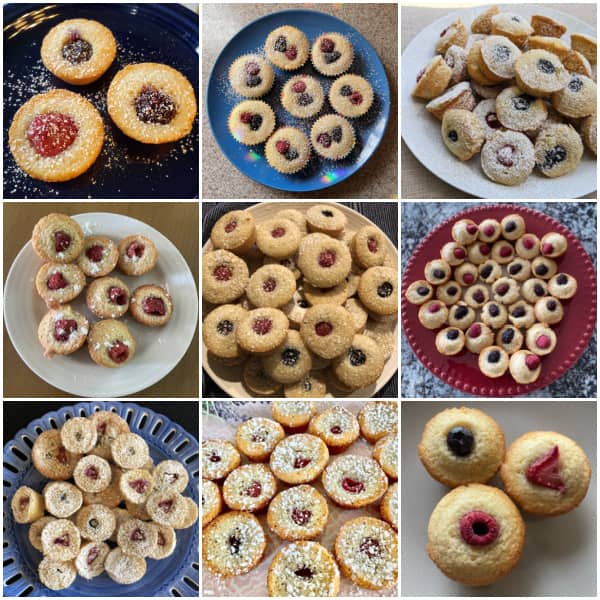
378 178
417 221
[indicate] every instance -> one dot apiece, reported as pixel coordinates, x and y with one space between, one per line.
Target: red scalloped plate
573 332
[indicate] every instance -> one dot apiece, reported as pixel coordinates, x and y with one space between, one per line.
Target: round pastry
540 339
378 290
56 136
224 277
378 419
78 51
450 341
251 122
544 268
458 96
99 256
528 246
287 48
312 385
337 427
91 558
167 540
493 361
271 286
510 339
455 34
151 305
278 238
489 271
489 230
553 245
460 315
505 290
354 481
525 366
302 96
361 365
136 485
56 574
107 297
558 150
296 217
419 292
512 26
170 475
465 231
234 231
299 513
233 544
62 499
96 522
257 437
303 569
546 473
503 252
385 452
92 473
494 314
534 289
482 23
456 59
562 286
130 451
110 343
152 103
249 487
57 238
326 218
519 269
389 506
449 293
171 508
124 568
508 157
477 337
327 330
78 435
588 132
466 273
50 458
476 534
498 57
437 271
219 458
518 111
513 226
299 458
351 96
486 111
474 62
577 99
35 529
324 261
367 551
332 137
110 496
433 79
62 331
521 314
540 73
257 381
262 330
294 416
288 150
476 296
543 25
462 133
27 505
462 445
332 54
251 75
219 331
453 253
137 255
368 247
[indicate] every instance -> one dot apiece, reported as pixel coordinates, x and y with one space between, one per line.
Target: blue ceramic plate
319 173
125 169
176 575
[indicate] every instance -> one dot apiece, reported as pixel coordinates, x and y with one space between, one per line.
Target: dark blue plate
319 173
176 575
125 169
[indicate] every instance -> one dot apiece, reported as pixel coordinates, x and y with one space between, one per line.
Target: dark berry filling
327 45
331 57
460 441
301 517
519 312
541 270
327 213
452 334
486 271
269 285
346 90
118 352
255 122
502 289
153 305
324 139
575 84
153 106
453 136
77 50
215 458
280 44
422 290
254 489
304 572
370 547
502 53
253 81
56 281
510 226
478 296
452 291
356 357
522 102
494 356
305 99
553 156
63 540
551 305
538 289
461 312
94 253
63 329
117 295
545 66
514 269
336 134
323 328
289 357
439 273
508 336
234 544
336 430
562 279
385 289
493 310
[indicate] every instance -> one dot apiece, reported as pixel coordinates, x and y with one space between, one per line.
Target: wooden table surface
177 221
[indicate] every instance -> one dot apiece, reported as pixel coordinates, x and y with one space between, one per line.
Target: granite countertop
417 220
378 178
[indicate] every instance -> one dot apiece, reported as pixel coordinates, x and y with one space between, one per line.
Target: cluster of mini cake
494 289
303 303
71 257
58 135
518 94
476 532
288 149
106 507
365 548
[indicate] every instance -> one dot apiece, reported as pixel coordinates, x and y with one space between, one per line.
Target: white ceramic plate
421 130
229 378
158 349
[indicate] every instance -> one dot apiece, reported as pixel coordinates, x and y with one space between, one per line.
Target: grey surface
418 219
559 558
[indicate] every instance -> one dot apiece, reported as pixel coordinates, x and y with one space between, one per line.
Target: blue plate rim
89 407
386 110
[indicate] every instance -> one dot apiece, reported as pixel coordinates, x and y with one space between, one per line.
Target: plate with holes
162 33
421 131
573 332
177 575
319 173
77 373
229 379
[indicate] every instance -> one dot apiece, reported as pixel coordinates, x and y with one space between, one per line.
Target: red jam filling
322 328
352 486
118 352
51 133
135 249
153 305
